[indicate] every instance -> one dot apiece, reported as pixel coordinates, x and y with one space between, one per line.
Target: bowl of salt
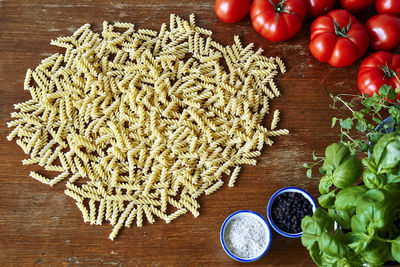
245 236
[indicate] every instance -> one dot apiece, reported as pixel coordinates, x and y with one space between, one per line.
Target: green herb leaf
335 154
391 157
384 90
342 217
332 245
334 120
377 120
364 147
315 252
373 180
346 124
327 200
358 115
376 252
376 206
324 184
347 173
309 173
396 249
347 198
305 165
393 177
360 223
368 102
358 241
314 156
361 126
392 95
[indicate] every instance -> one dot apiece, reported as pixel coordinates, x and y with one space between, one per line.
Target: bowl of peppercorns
287 207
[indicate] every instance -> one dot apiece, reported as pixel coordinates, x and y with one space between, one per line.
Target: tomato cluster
337 37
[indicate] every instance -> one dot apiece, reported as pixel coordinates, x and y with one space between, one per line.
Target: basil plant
358 221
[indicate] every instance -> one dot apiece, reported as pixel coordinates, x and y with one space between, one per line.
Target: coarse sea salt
245 237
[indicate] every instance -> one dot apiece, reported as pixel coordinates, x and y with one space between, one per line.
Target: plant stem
348 136
383 239
344 103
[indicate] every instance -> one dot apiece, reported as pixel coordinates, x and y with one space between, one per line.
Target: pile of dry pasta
142 123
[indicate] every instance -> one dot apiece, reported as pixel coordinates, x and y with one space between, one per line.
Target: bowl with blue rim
245 236
388 125
287 207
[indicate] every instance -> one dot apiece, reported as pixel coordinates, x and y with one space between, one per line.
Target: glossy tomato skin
371 77
384 31
355 6
328 47
265 20
316 8
231 11
391 7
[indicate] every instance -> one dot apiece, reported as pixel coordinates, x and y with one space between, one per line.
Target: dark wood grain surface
40 225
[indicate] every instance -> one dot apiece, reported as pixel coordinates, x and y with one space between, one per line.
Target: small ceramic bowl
253 215
381 128
271 201
388 121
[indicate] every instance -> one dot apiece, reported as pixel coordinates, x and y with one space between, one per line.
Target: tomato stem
342 31
279 8
389 73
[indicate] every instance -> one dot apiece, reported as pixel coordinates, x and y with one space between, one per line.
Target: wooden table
41 225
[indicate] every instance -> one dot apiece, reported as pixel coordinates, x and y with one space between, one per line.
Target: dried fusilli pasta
139 121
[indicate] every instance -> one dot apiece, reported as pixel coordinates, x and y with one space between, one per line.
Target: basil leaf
311 231
327 200
376 205
342 217
315 253
360 223
347 198
376 252
396 249
373 180
380 146
347 173
332 245
375 137
390 158
357 241
393 178
328 260
370 164
324 184
392 192
335 154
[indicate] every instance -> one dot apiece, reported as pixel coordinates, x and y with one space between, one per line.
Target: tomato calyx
279 8
342 31
389 73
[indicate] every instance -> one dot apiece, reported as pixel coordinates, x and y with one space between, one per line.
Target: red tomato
356 5
316 8
378 69
338 38
391 7
277 20
231 10
384 31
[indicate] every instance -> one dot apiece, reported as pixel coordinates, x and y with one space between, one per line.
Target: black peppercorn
288 209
